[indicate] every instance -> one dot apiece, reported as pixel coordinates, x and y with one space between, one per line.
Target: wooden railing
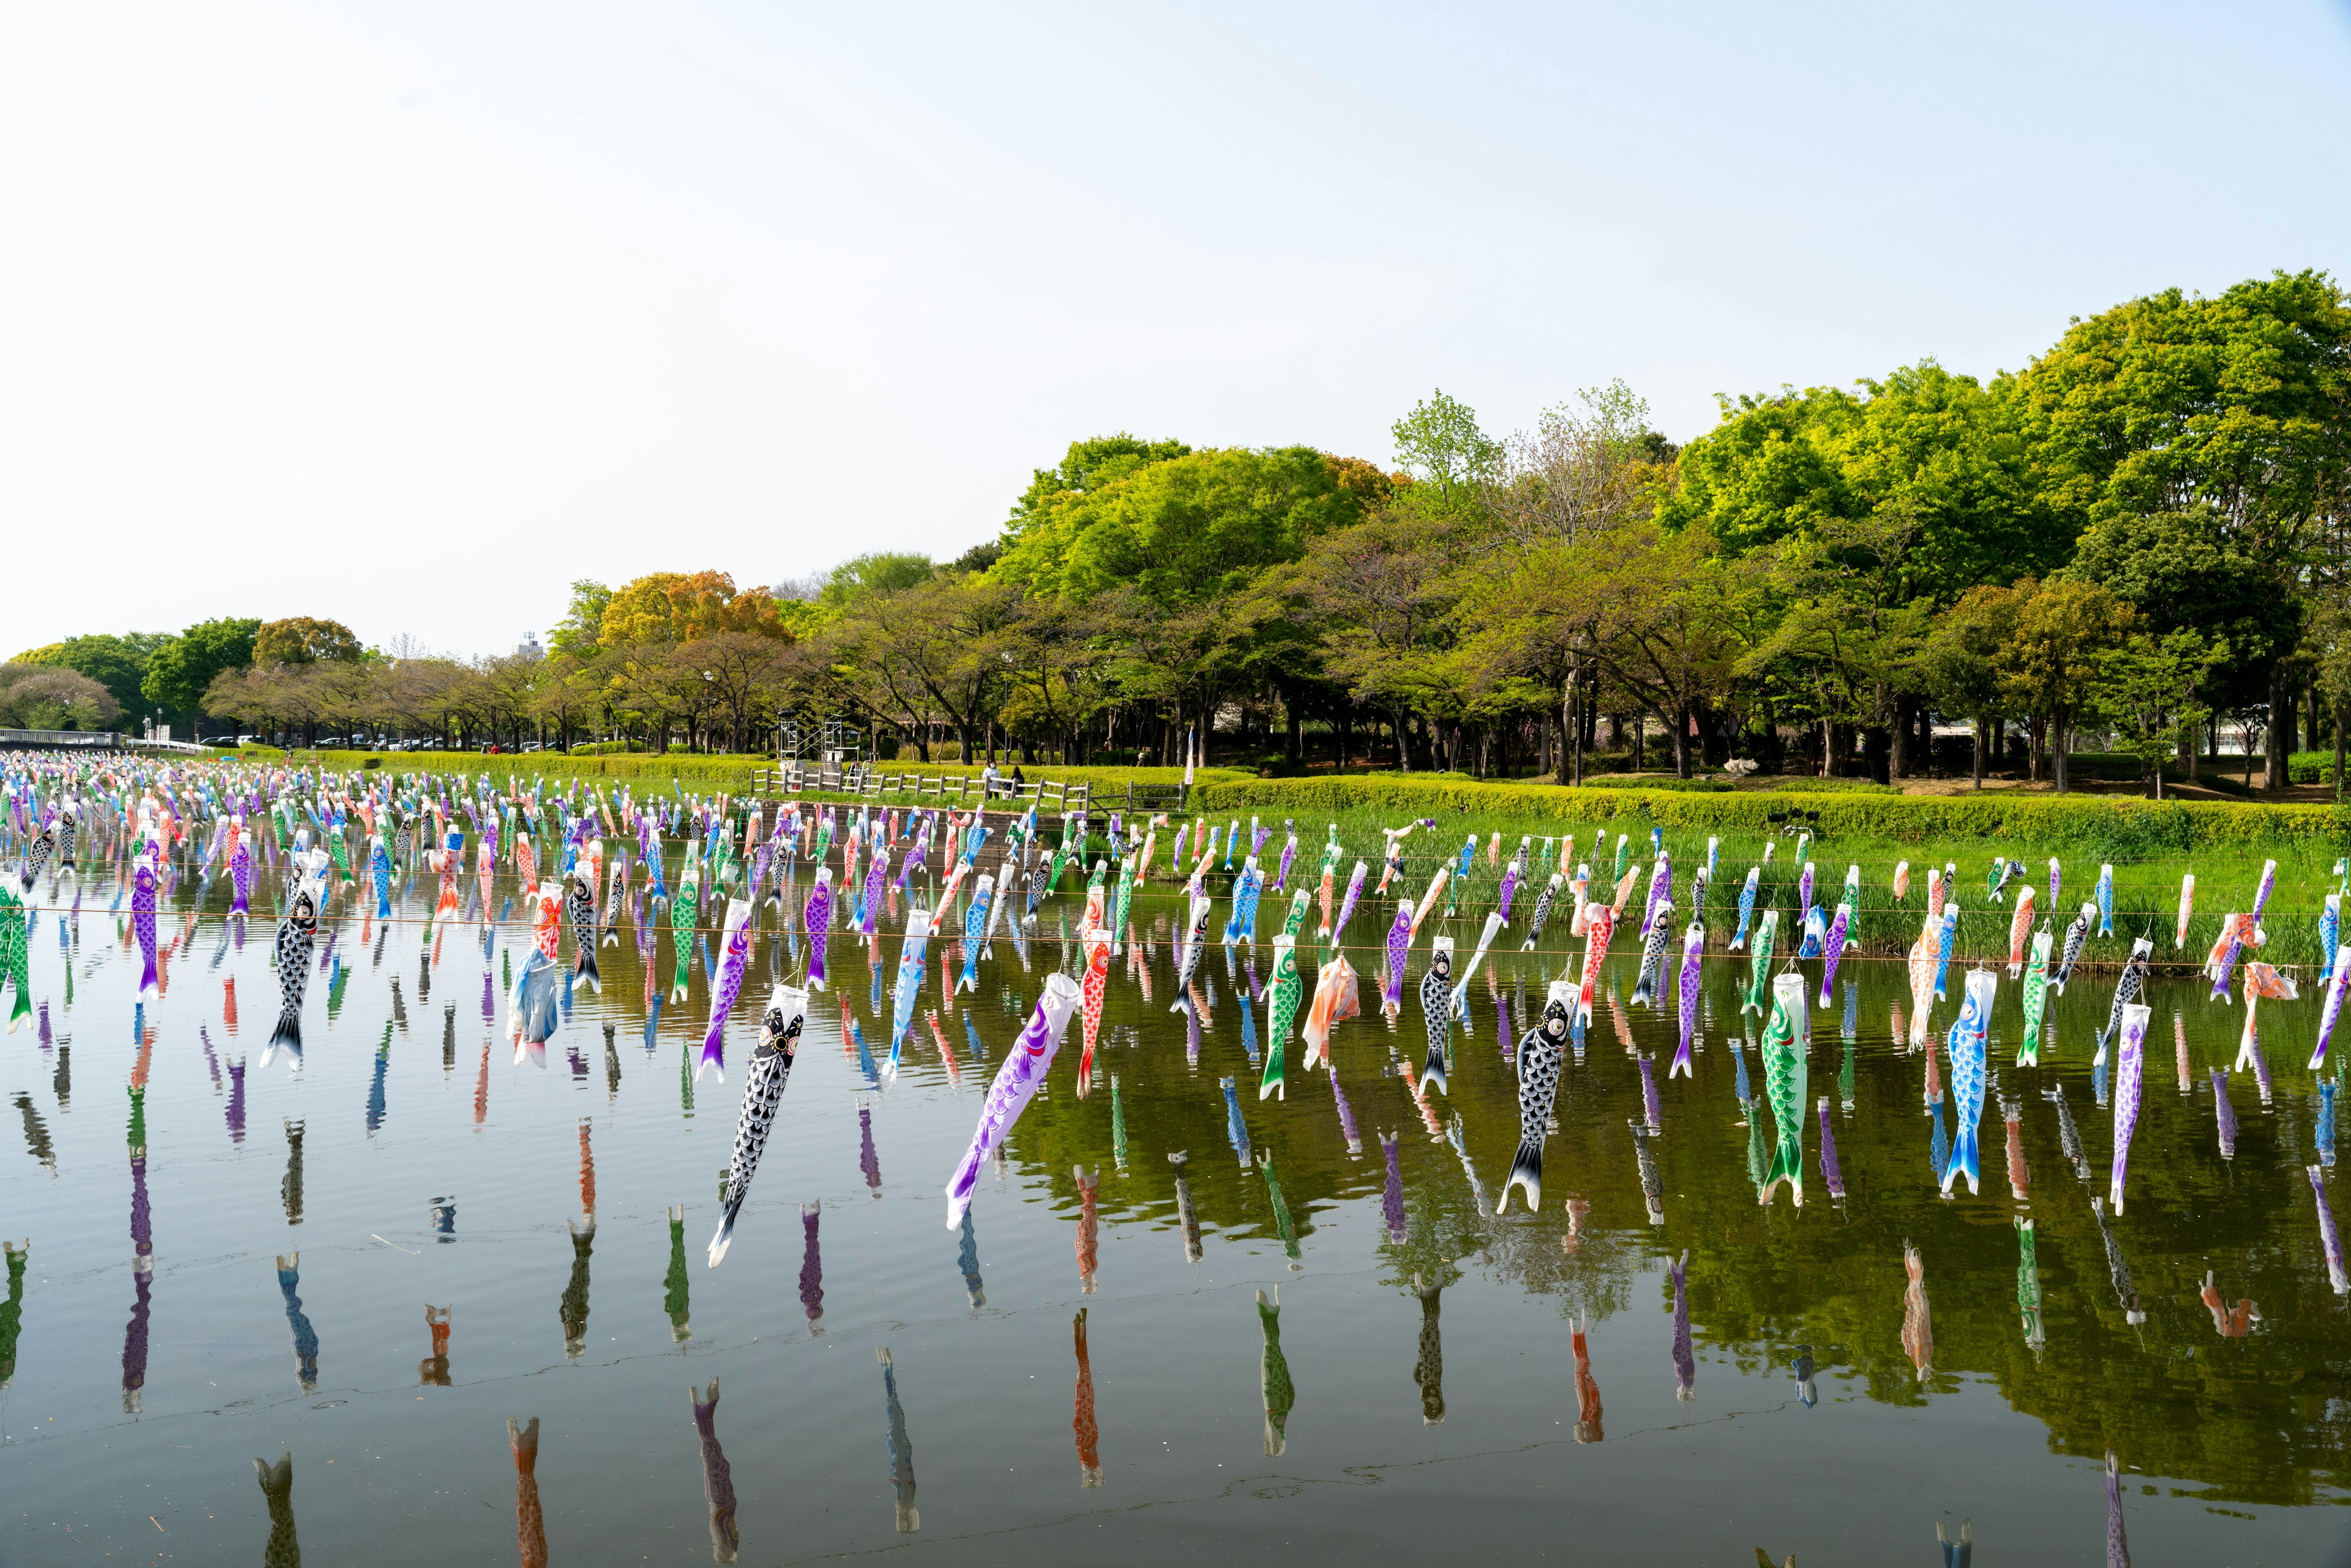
797 778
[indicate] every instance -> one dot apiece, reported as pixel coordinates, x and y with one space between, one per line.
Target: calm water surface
1069 1377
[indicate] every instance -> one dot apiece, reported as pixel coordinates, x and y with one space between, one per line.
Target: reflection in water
1392 1195
1187 1219
902 1449
2228 1321
1918 1329
277 1486
1235 1129
530 1523
1273 1375
1428 1367
868 1160
1282 1222
674 1283
2069 1137
573 1308
36 1134
12 1312
1081 1412
1587 1392
966 1258
142 1253
1804 1368
1959 1553
1685 1363
291 1188
1653 1186
717 1478
375 1099
2028 1284
306 1339
587 1172
236 1110
1346 1114
1089 1193
433 1371
2224 1116
2117 1266
2117 1542
812 1268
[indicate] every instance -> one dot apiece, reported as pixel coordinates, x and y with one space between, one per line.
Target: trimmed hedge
2310 767
2117 828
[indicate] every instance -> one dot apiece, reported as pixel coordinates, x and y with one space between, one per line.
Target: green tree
581 629
1962 660
304 640
178 670
2147 690
1185 530
1448 457
2189 571
117 663
2053 664
1087 466
880 571
2237 406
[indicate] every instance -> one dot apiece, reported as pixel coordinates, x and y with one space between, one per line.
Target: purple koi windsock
737 945
2130 1060
1693 950
2332 1010
816 915
1015 1084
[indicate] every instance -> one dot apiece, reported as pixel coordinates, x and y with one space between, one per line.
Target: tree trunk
1571 715
1403 745
2061 737
2282 729
2338 708
1897 761
1976 763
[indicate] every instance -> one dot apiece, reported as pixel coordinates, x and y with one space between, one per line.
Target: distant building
528 647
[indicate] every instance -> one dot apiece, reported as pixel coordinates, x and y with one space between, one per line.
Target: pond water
373 1264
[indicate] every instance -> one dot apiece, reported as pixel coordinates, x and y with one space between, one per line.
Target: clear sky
409 313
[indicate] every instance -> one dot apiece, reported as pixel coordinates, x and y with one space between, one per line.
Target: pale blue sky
408 313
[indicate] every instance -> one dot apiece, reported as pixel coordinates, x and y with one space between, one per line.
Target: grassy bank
2151 844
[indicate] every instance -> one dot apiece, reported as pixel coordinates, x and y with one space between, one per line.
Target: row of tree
2136 537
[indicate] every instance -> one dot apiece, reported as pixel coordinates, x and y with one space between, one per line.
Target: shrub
1834 786
2310 768
2116 829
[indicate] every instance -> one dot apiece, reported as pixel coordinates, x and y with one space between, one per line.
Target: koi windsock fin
1526 1171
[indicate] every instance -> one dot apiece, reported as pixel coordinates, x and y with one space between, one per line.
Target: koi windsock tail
1432 1072
287 1037
1681 1067
149 987
588 965
1182 1004
1963 1159
1526 1171
1787 1165
1645 992
725 1236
